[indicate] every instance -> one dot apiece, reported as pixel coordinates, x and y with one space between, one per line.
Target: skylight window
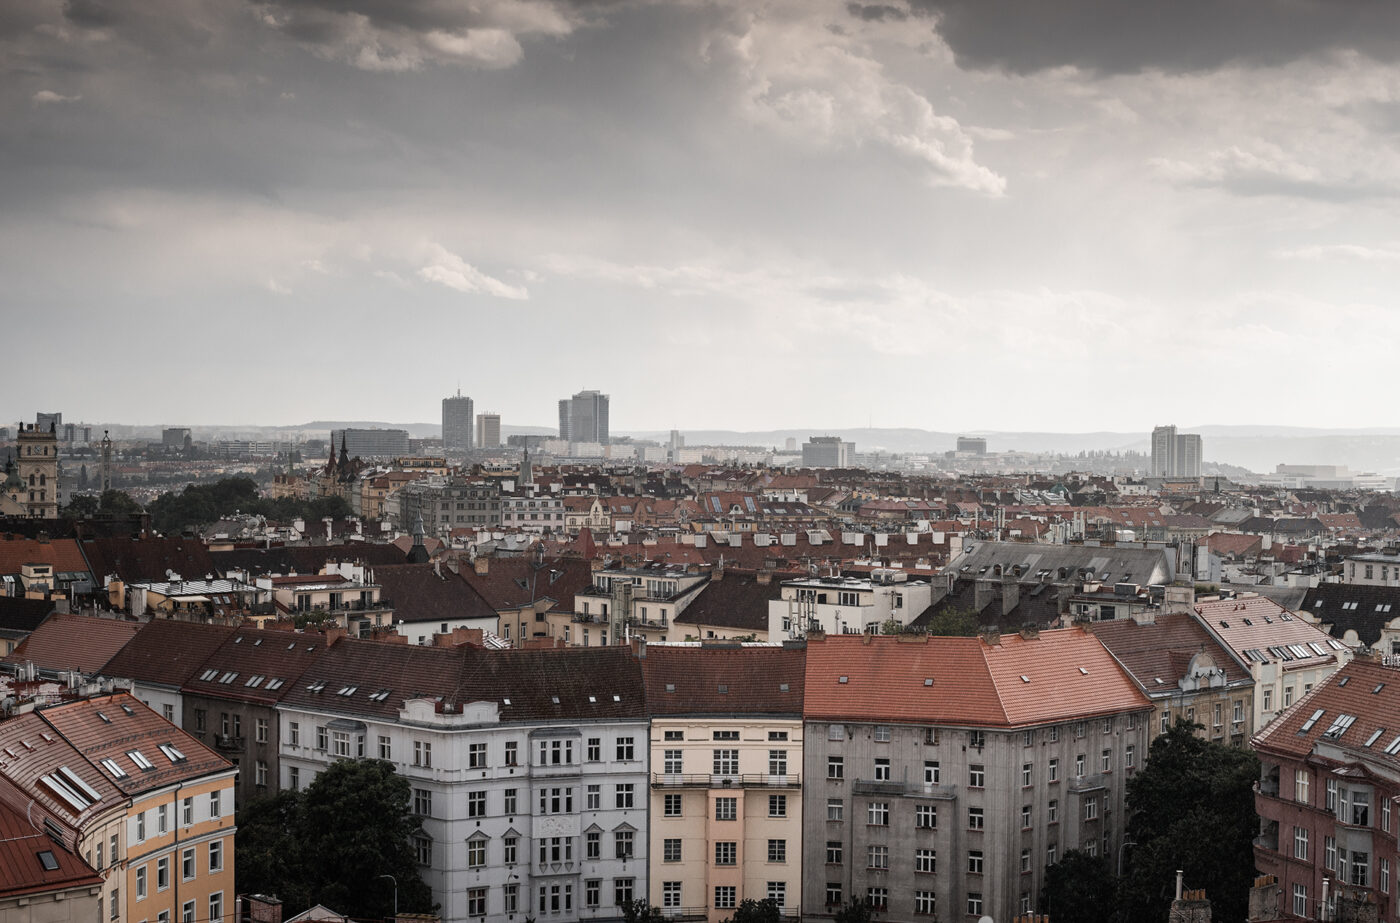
140 760
1375 735
1318 648
208 675
127 709
172 753
105 719
254 680
1307 725
228 677
1393 747
48 860
66 791
275 683
1344 680
1339 726
113 769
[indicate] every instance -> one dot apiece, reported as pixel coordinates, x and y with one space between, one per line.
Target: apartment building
1330 780
726 781
641 601
846 605
528 768
945 774
148 807
1287 656
40 880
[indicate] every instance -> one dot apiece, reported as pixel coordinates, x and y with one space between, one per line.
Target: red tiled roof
138 560
22 871
1364 689
259 657
751 680
167 651
74 642
62 553
1147 650
965 681
421 593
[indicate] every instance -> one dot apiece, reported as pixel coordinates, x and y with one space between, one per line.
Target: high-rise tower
584 417
458 420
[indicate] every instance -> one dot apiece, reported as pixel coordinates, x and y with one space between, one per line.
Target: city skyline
825 199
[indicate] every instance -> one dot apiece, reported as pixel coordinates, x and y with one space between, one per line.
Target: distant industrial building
371 443
972 445
584 418
175 438
488 430
827 452
458 414
1175 455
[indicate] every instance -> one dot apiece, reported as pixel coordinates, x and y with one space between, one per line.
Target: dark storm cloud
875 12
1113 36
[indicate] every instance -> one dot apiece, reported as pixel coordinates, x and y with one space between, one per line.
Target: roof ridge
983 648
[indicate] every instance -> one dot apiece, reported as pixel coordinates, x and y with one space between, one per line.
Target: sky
1053 215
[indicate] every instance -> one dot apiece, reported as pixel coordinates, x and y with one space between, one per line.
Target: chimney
717 573
260 908
1264 899
991 635
764 577
334 633
1189 906
483 566
1010 595
1030 631
983 592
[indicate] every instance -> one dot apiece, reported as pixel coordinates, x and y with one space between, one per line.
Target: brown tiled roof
140 560
18 614
304 559
750 680
965 681
30 749
737 601
1363 689
513 582
1150 652
74 642
166 651
21 868
62 553
131 726
420 593
247 666
371 667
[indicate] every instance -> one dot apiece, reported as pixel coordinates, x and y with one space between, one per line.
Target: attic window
1083 671
127 709
724 689
1224 624
257 642
782 687
172 753
275 683
1249 623
228 677
554 699
617 698
1344 680
1375 735
1393 747
843 679
670 687
1379 687
928 681
254 680
47 860
1307 725
316 686
113 769
347 690
593 699
105 719
291 646
140 760
1025 678
505 701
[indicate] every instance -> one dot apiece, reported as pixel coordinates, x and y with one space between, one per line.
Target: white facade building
846 605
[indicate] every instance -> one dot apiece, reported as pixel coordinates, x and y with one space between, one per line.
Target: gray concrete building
449 503
458 415
584 417
371 443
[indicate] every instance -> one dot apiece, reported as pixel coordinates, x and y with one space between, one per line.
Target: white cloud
1341 252
447 268
48 97
277 288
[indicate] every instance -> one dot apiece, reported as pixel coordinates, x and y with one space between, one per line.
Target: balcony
915 789
1268 836
718 780
228 742
1091 783
684 914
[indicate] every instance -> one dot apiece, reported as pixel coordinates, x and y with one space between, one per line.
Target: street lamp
396 894
1122 846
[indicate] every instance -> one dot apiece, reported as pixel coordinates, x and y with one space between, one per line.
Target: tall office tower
488 430
584 417
458 414
50 421
1188 455
1163 451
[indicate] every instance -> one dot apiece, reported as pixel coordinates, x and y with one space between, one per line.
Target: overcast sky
972 214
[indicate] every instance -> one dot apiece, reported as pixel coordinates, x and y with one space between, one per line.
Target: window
162 873
878 814
1091 808
777 805
726 762
877 898
671 805
141 883
777 850
1268 700
1332 795
680 735
216 908
423 754
512 753
476 804
260 730
510 849
1106 761
974 903
925 861
976 820
1025 861
926 816
593 798
293 733
1300 900
423 849
877 857
622 890
1329 853
924 902
187 864
670 894
1287 696
1050 854
626 752
141 827
1025 775
592 892
1052 811
671 849
882 733
1052 771
1300 786
976 776
625 795
595 749
476 853
1300 842
1360 869
1383 875
1129 756
672 761
882 770
777 762
187 912
509 805
260 774
725 897
476 902
833 852
216 856
835 809
422 802
835 767
726 853
1079 765
622 843
1025 817
777 893
977 739
476 756
974 862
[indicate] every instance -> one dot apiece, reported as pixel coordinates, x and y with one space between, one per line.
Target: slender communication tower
106 462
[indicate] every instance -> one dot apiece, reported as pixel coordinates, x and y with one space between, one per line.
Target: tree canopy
333 842
1079 888
111 504
201 504
1191 807
953 621
752 911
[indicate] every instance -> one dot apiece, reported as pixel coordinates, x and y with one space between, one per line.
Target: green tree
117 504
82 506
1191 807
331 843
953 621
1080 888
639 911
201 504
752 911
857 911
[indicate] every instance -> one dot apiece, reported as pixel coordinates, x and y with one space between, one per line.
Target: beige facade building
726 778
38 471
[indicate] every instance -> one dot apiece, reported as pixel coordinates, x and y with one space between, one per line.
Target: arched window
32 482
43 479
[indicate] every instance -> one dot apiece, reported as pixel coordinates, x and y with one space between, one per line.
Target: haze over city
742 216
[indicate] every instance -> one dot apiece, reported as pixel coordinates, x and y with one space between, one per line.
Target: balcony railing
882 787
724 780
1088 783
683 914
